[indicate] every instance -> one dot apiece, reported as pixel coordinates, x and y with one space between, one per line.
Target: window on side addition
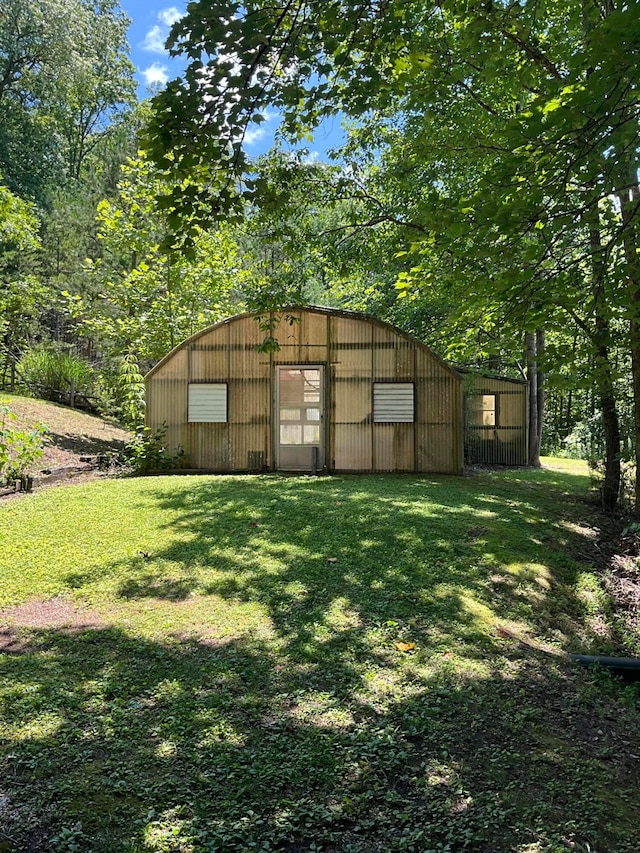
483 410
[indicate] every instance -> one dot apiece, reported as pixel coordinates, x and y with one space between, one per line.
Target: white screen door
299 419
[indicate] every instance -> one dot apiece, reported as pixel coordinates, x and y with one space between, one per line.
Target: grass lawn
343 664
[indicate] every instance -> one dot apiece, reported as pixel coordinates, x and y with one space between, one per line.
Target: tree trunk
606 391
541 395
532 376
603 373
635 375
629 205
568 413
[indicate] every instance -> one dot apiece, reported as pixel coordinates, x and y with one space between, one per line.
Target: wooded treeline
486 198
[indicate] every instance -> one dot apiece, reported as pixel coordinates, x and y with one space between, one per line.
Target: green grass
246 690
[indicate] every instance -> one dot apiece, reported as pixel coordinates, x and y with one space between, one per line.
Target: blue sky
148 32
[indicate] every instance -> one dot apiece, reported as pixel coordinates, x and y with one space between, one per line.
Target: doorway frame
319 461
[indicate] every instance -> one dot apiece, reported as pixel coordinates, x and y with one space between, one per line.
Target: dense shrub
146 453
51 370
586 440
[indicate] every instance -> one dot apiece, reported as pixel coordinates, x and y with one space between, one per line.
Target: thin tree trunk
635 374
569 413
541 394
603 370
532 376
603 373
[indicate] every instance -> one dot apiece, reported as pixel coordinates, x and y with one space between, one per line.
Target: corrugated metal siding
251 385
357 351
505 443
351 358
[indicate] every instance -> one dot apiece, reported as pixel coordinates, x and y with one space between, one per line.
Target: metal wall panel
244 336
166 406
353 448
352 401
211 446
393 447
351 356
314 329
439 439
173 367
301 355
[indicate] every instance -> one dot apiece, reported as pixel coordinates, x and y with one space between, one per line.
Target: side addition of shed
496 420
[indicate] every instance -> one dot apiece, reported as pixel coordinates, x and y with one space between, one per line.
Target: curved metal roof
311 309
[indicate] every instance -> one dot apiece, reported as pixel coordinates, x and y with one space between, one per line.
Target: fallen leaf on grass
405 647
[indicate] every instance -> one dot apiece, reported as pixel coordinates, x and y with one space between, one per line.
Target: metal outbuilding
341 391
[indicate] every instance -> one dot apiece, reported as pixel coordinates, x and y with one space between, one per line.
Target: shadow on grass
117 744
443 559
85 444
318 732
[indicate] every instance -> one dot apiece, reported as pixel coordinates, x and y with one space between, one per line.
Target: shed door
300 419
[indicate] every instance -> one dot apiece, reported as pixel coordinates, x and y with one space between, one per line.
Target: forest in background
486 198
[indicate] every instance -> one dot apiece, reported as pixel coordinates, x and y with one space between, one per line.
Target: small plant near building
146 453
19 449
130 393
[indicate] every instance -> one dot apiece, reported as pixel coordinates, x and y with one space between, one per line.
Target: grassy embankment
72 433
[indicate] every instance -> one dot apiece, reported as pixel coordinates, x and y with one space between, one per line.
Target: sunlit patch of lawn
567 466
297 664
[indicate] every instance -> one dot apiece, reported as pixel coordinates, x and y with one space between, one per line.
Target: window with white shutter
393 402
208 403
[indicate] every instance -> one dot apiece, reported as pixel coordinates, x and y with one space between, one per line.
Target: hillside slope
73 434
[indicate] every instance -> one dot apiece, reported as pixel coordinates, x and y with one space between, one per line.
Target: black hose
628 668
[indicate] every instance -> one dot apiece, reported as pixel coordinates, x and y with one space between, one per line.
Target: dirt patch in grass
57 613
622 583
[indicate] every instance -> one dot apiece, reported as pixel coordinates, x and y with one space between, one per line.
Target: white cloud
155 39
259 131
155 75
252 135
170 15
